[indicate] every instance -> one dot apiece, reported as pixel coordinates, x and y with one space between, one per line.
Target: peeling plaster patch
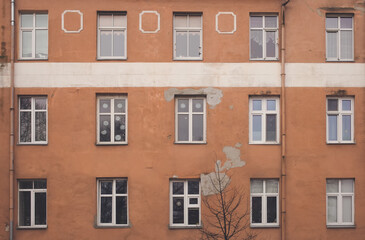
209 181
213 95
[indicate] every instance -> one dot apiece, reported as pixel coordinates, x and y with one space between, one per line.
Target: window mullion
33 37
114 203
32 208
190 119
112 134
186 203
32 120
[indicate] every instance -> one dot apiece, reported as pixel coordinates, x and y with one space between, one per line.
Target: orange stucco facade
72 78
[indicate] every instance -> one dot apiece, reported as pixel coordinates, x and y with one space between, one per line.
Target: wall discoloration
214 95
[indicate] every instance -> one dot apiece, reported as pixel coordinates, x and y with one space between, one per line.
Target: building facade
123 109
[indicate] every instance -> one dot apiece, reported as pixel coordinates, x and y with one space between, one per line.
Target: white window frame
32 191
263 112
113 195
187 29
190 113
338 30
340 196
264 197
187 205
265 30
339 114
33 30
111 28
112 113
32 127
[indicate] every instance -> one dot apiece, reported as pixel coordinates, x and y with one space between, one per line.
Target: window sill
341 143
32 144
32 59
111 144
264 143
111 59
31 228
341 226
172 227
113 226
265 226
265 59
190 143
339 61
188 59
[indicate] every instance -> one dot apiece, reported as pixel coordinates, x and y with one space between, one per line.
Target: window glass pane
194 44
106 187
121 210
121 186
104 126
331 22
178 210
106 20
119 105
270 44
332 209
25 103
181 44
271 21
26 44
198 105
120 20
256 128
346 22
40 103
26 184
180 21
41 43
347 209
346 127
346 105
25 127
257 186
332 44
193 187
271 127
332 104
104 106
271 210
118 44
256 210
193 216
256 44
195 21
27 20
40 126
106 210
346 44
271 105
178 188
40 208
41 20
347 185
198 127
119 128
256 105
40 184
332 186
105 43
193 201
332 128
256 21
183 105
24 208
183 127
272 186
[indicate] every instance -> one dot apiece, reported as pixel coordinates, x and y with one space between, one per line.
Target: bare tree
228 216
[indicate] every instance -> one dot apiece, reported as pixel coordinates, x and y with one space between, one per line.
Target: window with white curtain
112 35
188 36
340 120
340 202
263 37
339 38
33 39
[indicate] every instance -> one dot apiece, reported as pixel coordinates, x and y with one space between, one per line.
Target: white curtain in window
332 45
346 44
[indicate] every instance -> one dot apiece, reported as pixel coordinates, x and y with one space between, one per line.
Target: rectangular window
185 203
113 202
112 35
33 120
32 203
33 36
340 202
263 37
340 120
339 37
188 36
264 202
264 120
112 119
190 120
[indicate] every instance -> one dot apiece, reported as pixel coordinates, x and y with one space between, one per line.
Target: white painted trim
81 21
158 22
217 22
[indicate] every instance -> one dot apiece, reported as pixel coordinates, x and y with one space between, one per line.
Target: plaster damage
210 181
213 95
